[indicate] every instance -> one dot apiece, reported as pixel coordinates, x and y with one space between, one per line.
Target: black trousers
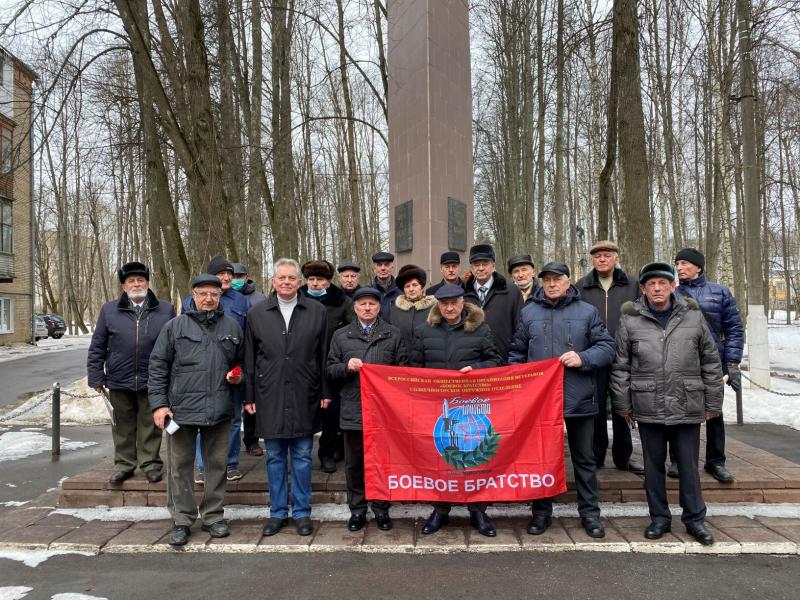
580 434
685 441
331 441
621 445
354 475
715 443
443 508
250 438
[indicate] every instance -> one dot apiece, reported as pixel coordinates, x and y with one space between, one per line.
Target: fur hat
133 268
409 272
318 268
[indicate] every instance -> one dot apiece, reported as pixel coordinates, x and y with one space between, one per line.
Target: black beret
133 268
367 291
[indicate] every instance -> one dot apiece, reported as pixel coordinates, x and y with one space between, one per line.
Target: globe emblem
460 432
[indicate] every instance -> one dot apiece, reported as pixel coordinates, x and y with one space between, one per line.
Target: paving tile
135 498
507 538
723 544
778 523
723 522
790 475
33 536
790 532
630 522
400 538
244 537
84 498
667 544
20 517
733 495
160 524
450 538
198 541
791 496
333 536
134 540
761 540
286 540
89 538
612 542
555 539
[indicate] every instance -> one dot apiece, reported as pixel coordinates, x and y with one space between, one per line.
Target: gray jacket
666 376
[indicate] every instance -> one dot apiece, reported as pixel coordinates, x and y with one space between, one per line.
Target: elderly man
319 274
718 306
286 341
607 288
456 337
192 376
489 290
450 267
123 338
242 283
558 324
368 340
349 274
383 267
667 376
235 305
523 272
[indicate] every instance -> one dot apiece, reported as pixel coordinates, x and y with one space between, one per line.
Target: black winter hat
317 268
693 256
558 268
450 257
481 252
367 291
206 279
133 268
218 264
409 272
382 257
348 266
449 291
657 269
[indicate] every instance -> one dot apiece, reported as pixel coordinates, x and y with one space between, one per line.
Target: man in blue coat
118 359
722 317
557 323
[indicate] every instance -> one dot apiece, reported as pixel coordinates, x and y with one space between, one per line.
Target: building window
6 319
6 227
5 151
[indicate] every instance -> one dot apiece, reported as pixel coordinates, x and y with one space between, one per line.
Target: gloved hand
734 377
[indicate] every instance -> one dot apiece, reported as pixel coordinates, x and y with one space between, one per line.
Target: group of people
655 347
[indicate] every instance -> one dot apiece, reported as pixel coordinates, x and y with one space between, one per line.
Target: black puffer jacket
188 365
407 315
623 289
502 307
120 350
385 346
284 369
470 343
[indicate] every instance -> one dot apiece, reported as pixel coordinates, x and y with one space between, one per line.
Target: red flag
445 436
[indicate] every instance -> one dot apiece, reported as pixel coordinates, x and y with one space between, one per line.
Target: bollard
56 425
739 410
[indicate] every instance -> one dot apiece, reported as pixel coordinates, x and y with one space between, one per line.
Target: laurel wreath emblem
477 457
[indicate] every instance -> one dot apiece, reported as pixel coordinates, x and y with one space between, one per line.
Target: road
371 576
29 374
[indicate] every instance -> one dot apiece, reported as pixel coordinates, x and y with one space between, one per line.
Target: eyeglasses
207 294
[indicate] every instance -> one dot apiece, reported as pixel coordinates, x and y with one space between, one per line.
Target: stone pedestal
430 131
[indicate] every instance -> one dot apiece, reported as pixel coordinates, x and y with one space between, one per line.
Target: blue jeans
234 438
277 468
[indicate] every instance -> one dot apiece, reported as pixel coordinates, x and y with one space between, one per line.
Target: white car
40 329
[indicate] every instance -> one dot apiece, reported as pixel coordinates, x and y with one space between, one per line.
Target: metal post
56 426
739 411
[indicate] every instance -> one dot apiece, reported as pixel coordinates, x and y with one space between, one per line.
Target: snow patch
77 597
33 558
14 592
80 405
14 503
47 345
19 444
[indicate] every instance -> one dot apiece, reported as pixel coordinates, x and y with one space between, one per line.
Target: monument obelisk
430 131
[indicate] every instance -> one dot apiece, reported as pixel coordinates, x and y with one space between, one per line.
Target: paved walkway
43 529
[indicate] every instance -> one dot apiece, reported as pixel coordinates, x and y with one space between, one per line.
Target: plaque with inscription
404 226
456 224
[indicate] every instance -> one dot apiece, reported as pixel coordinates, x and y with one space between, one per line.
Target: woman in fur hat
412 307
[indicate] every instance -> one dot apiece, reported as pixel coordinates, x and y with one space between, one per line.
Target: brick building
16 200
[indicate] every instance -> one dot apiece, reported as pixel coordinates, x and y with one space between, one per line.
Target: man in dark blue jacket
725 323
123 338
235 305
557 323
383 267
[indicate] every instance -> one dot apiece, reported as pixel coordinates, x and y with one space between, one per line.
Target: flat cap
239 269
520 259
481 252
206 279
558 268
604 246
656 269
450 257
348 266
382 257
367 291
449 291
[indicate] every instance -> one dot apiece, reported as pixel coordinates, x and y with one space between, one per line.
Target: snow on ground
760 406
14 592
76 597
32 558
14 503
19 444
68 342
80 405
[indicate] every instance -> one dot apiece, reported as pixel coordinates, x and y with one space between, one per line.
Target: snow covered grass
80 405
68 342
19 444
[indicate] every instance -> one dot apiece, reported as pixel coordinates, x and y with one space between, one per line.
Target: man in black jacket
489 290
123 338
607 288
349 274
285 349
192 375
319 274
368 340
456 337
383 267
450 266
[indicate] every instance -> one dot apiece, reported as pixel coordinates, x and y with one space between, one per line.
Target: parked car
40 328
56 327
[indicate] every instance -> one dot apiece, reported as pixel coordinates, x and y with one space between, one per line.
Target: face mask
237 284
317 293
